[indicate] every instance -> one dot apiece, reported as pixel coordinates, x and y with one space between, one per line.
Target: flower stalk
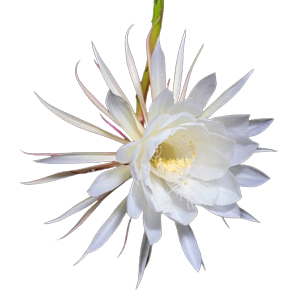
156 19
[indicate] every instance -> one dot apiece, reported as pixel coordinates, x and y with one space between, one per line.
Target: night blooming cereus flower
177 155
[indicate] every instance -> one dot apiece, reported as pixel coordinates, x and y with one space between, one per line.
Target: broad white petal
229 191
136 200
125 153
158 70
121 111
197 191
191 106
244 148
204 89
248 176
161 104
109 79
189 245
226 96
75 209
144 257
80 123
79 158
152 225
107 229
109 180
257 126
183 212
178 70
135 77
235 123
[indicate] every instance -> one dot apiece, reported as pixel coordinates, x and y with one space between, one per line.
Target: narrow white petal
93 99
189 245
257 126
144 257
186 83
204 89
245 215
152 224
178 70
158 70
135 77
248 176
225 211
79 158
80 123
109 79
226 96
121 111
229 191
78 207
264 150
107 229
230 211
136 200
126 152
109 180
191 106
66 174
161 104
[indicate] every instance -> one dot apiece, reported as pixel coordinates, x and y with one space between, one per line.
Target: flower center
173 163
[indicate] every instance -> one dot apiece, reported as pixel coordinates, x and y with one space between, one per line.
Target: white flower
182 158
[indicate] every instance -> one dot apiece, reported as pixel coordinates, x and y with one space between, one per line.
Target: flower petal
189 245
144 257
158 70
178 70
257 126
135 77
186 83
79 158
109 180
109 79
75 209
245 215
226 96
122 112
107 229
93 99
183 212
136 200
229 191
80 123
204 89
225 211
191 106
244 148
66 174
161 104
126 152
248 176
264 150
235 123
152 225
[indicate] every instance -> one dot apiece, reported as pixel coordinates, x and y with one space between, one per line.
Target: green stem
158 11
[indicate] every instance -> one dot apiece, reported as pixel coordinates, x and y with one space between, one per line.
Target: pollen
176 165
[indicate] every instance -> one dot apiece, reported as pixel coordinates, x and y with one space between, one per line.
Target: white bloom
182 158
